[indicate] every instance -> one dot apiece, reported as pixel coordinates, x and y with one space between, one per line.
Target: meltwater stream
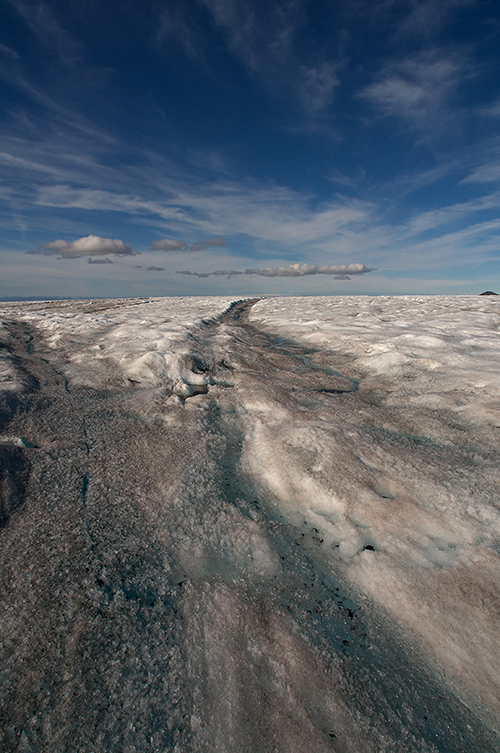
158 596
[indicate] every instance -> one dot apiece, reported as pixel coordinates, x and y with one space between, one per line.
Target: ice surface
412 472
270 527
139 341
436 351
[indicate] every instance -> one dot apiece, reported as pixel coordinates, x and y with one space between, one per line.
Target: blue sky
292 147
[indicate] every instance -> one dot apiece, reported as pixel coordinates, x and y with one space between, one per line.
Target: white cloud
273 220
452 215
86 198
340 271
91 245
300 270
279 220
274 214
218 273
489 173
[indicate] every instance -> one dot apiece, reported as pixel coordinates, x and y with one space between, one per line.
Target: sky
249 147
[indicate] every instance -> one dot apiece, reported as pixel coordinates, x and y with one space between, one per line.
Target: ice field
264 526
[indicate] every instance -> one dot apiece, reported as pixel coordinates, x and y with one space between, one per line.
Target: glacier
259 525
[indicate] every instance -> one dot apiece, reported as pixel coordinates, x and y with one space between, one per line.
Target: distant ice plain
199 484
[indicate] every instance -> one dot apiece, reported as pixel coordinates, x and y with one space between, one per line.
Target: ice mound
13 378
130 342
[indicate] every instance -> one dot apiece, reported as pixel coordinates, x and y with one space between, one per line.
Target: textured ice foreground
430 505
115 343
270 529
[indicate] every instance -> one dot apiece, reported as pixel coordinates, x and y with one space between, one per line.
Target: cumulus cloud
90 245
169 244
339 271
300 270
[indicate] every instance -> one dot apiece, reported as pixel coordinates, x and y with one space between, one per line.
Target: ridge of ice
144 342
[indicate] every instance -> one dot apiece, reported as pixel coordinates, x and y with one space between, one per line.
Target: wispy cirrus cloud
317 86
47 29
284 222
453 215
274 214
9 52
69 170
267 40
418 90
213 144
176 29
428 17
488 172
64 196
258 32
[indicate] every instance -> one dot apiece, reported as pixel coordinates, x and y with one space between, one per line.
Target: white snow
146 342
412 471
438 351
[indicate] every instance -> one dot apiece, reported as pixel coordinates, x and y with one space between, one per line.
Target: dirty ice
263 525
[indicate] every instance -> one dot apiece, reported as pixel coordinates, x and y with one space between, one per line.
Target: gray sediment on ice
156 593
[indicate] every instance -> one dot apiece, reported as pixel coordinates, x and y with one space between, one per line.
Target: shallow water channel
155 595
